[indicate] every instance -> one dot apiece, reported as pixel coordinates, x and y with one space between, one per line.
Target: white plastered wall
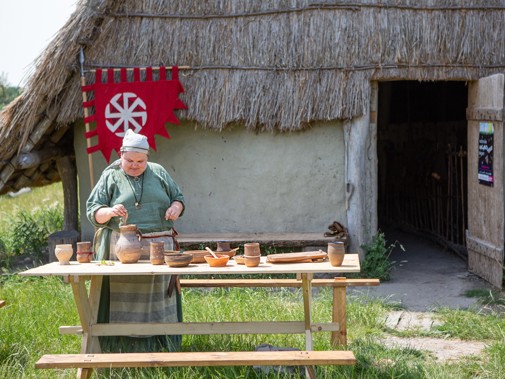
238 181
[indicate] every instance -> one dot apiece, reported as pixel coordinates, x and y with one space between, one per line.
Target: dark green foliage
377 263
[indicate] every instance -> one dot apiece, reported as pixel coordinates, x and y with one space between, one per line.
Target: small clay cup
156 251
63 253
336 253
84 253
252 261
252 249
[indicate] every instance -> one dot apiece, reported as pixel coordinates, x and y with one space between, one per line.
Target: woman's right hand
103 215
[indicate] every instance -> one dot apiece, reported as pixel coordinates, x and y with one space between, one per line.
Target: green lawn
36 307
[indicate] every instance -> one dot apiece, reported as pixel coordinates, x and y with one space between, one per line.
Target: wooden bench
339 284
236 358
298 240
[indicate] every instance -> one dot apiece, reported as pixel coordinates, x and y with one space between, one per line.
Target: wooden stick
93 70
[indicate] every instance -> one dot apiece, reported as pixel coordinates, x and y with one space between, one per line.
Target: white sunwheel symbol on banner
125 111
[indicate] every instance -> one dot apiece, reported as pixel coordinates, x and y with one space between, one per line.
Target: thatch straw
272 65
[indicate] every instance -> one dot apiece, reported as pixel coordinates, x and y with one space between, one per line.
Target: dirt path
443 349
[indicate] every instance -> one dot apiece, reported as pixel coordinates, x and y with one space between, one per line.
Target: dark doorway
422 145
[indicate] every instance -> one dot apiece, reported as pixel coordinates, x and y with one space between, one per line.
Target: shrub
31 230
376 263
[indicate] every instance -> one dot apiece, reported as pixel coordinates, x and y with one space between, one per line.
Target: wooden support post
339 315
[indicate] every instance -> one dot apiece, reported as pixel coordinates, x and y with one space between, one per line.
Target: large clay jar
128 246
63 253
336 253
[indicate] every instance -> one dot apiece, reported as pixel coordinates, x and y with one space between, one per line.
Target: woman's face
133 163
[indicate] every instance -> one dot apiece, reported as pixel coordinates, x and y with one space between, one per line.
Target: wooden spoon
211 252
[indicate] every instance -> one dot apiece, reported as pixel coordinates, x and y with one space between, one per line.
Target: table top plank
350 264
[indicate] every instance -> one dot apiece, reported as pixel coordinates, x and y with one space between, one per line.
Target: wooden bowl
198 255
220 261
177 259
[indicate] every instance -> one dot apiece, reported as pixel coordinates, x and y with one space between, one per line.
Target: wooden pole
117 69
86 124
88 142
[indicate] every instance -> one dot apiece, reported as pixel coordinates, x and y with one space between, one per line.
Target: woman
144 194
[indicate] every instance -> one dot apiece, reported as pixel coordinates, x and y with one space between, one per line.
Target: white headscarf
135 142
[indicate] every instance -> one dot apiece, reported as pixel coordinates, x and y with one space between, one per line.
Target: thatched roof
273 65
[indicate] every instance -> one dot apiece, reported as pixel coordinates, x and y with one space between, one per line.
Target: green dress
142 299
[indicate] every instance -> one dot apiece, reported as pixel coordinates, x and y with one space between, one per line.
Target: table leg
307 308
339 316
307 311
87 308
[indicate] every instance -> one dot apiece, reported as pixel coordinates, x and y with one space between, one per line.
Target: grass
36 307
36 198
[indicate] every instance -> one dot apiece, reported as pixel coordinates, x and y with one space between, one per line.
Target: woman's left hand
174 211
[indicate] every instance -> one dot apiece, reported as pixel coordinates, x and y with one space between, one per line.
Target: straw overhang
273 66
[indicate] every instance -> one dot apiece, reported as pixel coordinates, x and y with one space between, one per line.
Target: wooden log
35 158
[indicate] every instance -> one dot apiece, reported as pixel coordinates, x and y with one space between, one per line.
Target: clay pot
84 253
220 261
252 261
156 251
223 246
336 253
63 253
252 249
128 247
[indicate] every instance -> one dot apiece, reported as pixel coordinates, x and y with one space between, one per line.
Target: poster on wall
485 169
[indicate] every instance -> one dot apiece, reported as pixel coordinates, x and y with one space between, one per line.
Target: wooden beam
237 358
68 174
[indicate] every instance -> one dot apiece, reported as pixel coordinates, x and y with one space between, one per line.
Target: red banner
143 106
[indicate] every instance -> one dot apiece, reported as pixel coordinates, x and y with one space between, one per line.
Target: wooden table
87 301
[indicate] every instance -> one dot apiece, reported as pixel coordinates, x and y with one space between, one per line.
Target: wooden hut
299 113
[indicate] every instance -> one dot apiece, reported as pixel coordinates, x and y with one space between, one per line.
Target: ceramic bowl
198 255
220 261
177 259
239 259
